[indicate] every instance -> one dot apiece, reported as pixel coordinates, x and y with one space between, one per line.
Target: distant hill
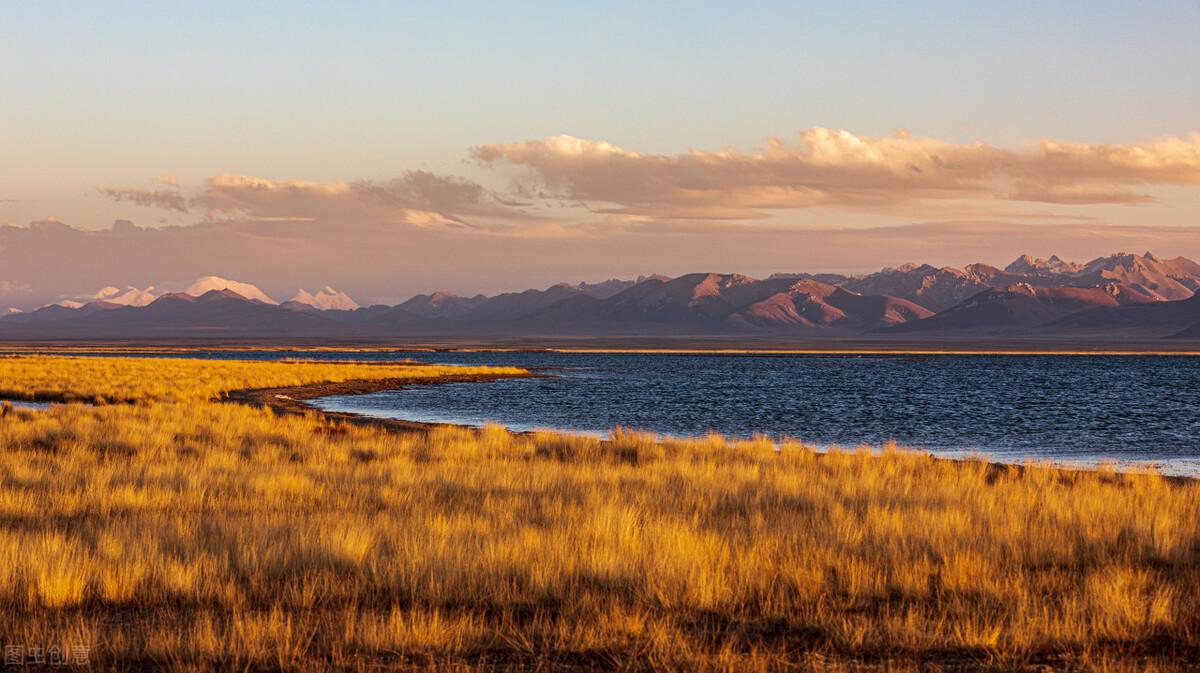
1119 296
1168 279
938 289
57 312
1158 319
1021 307
934 288
216 313
816 305
1028 265
440 305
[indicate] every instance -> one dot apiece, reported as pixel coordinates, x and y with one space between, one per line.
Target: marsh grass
196 536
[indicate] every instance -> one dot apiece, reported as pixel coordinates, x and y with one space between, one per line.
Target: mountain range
1122 296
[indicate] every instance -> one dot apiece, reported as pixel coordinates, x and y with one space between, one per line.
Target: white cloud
12 288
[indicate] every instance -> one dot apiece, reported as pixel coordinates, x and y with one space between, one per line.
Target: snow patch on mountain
326 299
210 283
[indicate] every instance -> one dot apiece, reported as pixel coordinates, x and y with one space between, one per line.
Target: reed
178 532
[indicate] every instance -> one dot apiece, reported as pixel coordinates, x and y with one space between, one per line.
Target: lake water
22 404
1077 410
1074 409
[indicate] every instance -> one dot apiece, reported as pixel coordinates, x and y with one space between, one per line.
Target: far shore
625 345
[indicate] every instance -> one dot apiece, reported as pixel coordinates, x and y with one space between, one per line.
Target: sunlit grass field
149 380
181 532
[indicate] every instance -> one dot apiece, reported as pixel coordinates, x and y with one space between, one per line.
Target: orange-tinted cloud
823 167
417 197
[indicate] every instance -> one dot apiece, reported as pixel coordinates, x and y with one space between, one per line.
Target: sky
395 148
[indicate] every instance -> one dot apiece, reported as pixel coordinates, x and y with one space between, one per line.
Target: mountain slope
58 313
1148 320
936 289
441 305
710 303
216 313
939 289
690 304
1020 307
815 305
1169 279
1028 265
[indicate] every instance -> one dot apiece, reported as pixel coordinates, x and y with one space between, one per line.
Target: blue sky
327 89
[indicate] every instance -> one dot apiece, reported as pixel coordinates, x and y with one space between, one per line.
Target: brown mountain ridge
1119 296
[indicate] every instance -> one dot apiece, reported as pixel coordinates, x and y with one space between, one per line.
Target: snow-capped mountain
210 283
325 299
130 296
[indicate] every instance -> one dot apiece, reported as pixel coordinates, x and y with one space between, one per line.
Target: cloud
824 167
165 199
820 168
418 198
10 287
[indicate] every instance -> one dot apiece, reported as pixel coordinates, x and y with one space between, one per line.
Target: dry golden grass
147 380
197 535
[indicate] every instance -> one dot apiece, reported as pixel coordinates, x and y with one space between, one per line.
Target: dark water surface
1077 409
1072 409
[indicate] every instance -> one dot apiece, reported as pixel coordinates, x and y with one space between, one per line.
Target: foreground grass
198 535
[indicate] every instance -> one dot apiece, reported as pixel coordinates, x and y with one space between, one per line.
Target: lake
1073 409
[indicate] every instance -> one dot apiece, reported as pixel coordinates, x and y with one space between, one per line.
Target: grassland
103 380
173 531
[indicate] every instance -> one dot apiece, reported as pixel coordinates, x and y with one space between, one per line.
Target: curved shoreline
291 400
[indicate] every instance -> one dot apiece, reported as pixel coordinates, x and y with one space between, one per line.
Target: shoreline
292 400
